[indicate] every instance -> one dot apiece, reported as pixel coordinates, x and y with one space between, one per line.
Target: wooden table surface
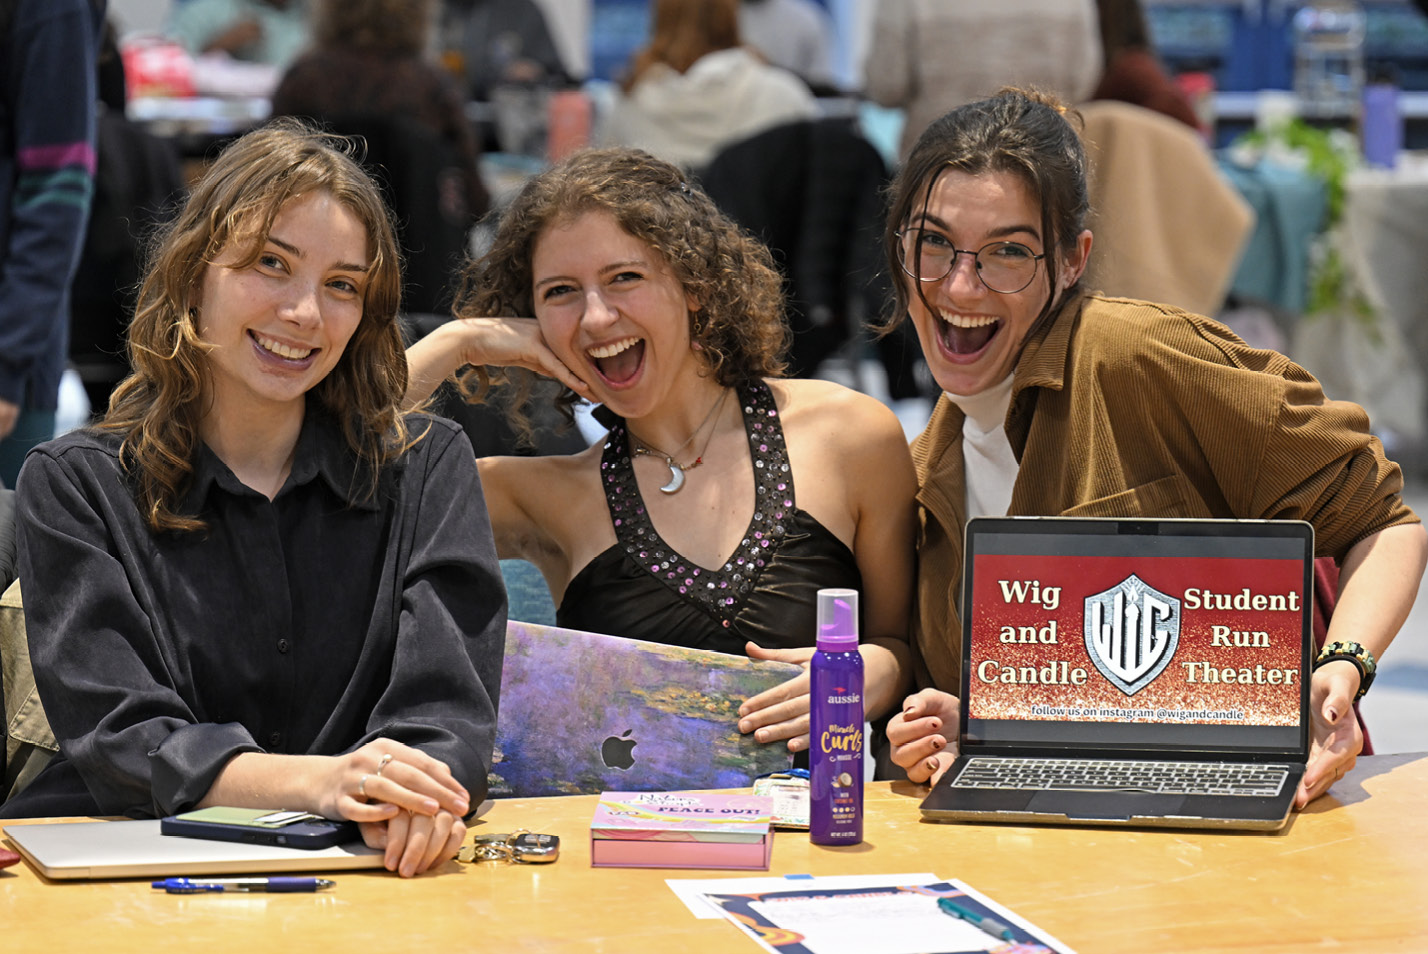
1350 874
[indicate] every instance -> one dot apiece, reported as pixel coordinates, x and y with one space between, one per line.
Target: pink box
681 830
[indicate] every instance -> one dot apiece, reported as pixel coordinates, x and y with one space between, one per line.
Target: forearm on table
264 780
886 674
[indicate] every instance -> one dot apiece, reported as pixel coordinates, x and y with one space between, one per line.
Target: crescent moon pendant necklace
676 470
676 476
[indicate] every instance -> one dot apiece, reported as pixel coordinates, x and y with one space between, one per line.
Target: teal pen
992 926
218 885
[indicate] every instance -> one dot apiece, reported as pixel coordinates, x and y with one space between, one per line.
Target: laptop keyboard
1090 775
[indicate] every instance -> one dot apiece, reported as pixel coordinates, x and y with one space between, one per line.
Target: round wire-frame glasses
1004 267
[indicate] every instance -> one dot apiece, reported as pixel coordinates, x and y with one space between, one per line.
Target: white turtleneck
991 467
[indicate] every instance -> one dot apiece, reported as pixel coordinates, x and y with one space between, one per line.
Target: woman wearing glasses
1059 402
725 495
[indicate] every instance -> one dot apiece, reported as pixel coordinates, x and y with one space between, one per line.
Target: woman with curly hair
256 583
614 275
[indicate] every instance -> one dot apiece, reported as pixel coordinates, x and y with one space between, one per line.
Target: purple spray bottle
835 759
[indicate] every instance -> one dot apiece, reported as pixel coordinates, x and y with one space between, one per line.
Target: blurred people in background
1132 73
927 58
366 75
694 89
258 31
138 182
794 34
368 57
498 43
47 107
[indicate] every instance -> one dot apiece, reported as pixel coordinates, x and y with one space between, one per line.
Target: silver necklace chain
677 470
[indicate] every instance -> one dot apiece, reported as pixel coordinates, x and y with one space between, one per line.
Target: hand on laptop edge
781 712
1335 739
923 734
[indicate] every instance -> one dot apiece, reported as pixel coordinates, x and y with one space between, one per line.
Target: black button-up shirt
308 624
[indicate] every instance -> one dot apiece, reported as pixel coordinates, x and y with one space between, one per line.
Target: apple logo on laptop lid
617 750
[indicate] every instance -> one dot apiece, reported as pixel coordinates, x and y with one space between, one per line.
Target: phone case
239 825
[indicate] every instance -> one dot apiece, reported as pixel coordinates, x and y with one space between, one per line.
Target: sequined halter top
642 588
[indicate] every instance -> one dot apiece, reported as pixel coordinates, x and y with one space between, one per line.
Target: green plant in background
1330 155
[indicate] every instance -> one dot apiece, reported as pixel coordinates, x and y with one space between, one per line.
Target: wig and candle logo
1131 631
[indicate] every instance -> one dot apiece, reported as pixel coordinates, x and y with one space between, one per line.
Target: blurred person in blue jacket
47 122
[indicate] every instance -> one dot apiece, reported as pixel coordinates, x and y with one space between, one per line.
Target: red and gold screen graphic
1235 659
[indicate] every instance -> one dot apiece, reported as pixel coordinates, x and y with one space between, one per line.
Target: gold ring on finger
382 763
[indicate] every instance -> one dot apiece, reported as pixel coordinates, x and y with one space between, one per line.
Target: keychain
521 846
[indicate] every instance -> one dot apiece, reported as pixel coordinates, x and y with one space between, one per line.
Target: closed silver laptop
134 849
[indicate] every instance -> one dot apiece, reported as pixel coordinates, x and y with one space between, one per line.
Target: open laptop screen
1143 635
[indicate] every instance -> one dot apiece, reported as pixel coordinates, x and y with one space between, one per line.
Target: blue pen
991 925
270 885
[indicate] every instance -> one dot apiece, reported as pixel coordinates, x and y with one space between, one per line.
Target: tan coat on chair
29 743
1168 227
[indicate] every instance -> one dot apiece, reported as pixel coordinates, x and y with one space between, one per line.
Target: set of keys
521 846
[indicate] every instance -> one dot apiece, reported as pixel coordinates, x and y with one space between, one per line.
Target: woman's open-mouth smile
618 362
289 356
964 337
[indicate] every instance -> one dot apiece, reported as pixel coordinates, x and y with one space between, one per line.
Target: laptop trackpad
1105 806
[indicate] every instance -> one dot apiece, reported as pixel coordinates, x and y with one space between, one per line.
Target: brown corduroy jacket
1124 408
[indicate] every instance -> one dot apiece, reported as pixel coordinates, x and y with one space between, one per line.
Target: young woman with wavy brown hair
255 583
159 408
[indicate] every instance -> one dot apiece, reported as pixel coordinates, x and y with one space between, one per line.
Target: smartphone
261 826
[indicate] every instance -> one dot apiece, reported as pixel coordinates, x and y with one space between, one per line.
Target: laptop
1132 672
583 713
135 849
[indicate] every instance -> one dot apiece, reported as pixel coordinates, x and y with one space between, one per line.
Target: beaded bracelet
1354 653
